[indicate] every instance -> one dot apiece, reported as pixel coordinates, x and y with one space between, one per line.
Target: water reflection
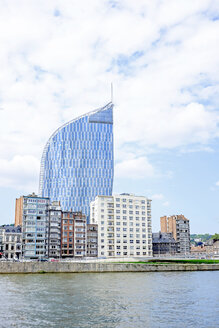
165 299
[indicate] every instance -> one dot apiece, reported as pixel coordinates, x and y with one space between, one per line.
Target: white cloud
21 173
217 183
157 196
162 58
166 204
135 168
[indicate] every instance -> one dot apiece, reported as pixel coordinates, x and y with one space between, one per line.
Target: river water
156 299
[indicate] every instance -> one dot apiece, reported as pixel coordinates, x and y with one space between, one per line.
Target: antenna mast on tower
111 92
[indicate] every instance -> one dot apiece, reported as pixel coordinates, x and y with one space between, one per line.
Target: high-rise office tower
77 161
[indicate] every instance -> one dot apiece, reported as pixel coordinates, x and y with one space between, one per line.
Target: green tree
215 236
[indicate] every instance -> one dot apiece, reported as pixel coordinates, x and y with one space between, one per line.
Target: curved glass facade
77 161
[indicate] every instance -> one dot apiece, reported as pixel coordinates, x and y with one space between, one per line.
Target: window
117 211
124 229
137 212
125 223
117 229
118 247
131 241
102 210
117 199
124 211
124 200
117 205
118 235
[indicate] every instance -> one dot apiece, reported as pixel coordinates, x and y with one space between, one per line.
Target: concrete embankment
75 267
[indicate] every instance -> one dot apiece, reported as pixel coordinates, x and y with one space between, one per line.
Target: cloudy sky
58 58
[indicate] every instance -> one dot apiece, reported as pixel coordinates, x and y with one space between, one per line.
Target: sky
58 58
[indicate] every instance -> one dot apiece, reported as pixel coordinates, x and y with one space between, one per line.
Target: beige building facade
19 211
124 225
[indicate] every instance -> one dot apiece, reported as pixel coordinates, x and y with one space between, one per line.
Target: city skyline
163 60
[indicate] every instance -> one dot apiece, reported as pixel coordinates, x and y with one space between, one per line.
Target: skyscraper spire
111 92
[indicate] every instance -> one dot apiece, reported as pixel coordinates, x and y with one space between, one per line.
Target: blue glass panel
103 116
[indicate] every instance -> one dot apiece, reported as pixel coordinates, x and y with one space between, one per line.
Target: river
155 299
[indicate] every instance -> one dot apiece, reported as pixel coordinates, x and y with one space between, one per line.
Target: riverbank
75 267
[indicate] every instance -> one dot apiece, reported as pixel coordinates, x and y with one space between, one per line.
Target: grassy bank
164 261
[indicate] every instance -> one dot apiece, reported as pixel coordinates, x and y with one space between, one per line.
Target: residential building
11 241
1 241
92 237
216 248
178 225
124 225
73 241
54 230
77 161
35 226
163 244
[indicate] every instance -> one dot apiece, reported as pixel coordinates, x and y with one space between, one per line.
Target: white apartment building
124 225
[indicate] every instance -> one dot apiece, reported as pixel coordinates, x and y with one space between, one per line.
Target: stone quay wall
75 267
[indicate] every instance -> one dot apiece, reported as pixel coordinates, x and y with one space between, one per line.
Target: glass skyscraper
77 161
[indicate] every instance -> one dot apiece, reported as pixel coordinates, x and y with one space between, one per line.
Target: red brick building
73 240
